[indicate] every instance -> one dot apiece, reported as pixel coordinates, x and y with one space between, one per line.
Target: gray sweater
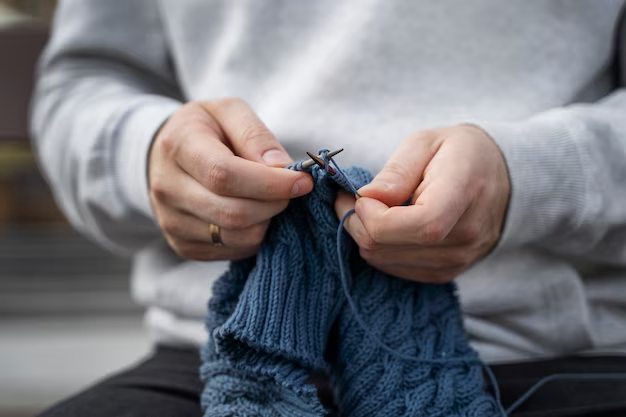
541 77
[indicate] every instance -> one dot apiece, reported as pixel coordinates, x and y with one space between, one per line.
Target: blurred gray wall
66 318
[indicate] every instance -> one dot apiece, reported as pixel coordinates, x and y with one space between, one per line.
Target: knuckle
367 254
254 133
209 106
416 138
168 143
185 247
256 235
192 107
476 186
169 225
372 237
227 102
158 189
179 247
483 243
219 177
234 218
431 137
469 233
397 169
178 251
492 238
432 233
366 242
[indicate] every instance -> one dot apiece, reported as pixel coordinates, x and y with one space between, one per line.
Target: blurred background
66 318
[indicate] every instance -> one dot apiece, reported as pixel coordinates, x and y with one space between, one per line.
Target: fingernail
358 206
276 157
299 188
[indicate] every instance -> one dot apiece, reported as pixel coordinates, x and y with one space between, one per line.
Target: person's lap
164 385
167 385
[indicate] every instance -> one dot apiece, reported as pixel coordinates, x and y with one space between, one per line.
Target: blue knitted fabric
270 319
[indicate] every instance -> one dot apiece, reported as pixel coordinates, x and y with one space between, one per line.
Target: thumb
401 175
246 133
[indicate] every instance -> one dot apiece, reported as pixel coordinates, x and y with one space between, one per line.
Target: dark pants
167 385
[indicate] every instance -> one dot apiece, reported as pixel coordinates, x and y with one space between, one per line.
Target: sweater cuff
134 140
547 176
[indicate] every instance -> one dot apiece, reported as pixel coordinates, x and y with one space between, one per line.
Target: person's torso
362 76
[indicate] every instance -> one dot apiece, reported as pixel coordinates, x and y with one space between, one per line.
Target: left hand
459 183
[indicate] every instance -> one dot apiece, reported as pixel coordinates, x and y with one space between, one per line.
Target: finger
423 275
434 258
207 252
247 134
428 222
355 228
251 237
184 226
217 169
344 203
471 227
227 212
401 175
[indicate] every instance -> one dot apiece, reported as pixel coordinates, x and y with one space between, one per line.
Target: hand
215 162
459 183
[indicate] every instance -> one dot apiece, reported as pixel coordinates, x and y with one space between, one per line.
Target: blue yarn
339 177
397 347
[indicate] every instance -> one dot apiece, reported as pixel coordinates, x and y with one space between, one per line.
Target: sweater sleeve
105 85
568 176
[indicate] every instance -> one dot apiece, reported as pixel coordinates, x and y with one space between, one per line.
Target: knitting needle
320 163
317 160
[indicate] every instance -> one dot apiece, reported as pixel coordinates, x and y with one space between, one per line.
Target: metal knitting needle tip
333 153
320 162
317 160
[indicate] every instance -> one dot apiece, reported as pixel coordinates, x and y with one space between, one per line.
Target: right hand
215 162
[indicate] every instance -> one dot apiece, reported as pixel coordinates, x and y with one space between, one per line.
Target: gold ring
216 235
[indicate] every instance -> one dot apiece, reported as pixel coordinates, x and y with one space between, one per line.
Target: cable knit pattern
438 374
270 320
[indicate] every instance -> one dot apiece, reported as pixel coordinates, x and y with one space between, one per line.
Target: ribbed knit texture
271 318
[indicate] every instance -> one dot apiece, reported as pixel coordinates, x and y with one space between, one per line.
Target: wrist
135 139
